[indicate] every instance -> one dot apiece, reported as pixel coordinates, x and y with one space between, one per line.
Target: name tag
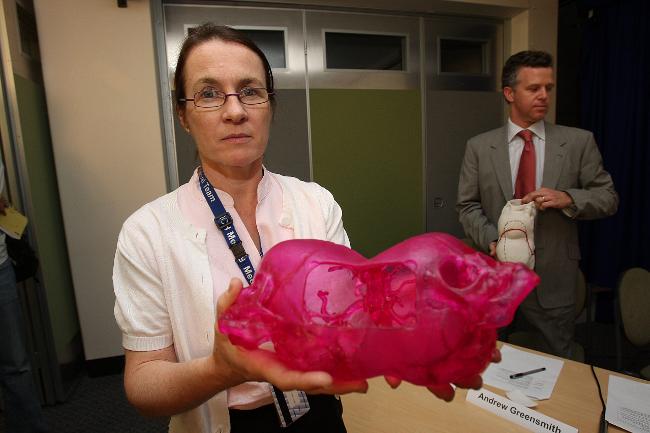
517 413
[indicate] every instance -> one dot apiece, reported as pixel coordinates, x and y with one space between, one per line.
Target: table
413 409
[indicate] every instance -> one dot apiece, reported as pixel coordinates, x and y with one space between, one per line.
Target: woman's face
233 135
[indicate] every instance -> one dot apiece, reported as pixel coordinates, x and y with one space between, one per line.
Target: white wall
100 78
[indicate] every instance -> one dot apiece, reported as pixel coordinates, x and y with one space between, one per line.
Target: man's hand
546 198
237 365
446 392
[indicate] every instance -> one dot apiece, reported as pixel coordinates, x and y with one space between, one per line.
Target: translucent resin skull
425 310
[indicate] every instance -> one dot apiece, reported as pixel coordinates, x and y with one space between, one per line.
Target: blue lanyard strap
224 223
223 220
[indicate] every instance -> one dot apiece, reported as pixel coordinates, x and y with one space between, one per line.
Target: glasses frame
226 95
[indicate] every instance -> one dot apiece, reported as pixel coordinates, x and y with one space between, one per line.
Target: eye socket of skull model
457 272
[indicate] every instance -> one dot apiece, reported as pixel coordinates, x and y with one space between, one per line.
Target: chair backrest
581 293
634 301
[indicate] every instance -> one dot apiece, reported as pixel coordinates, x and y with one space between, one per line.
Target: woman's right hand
235 365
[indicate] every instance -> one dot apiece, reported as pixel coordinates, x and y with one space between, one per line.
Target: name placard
517 413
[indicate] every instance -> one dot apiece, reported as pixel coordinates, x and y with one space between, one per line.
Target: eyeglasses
209 97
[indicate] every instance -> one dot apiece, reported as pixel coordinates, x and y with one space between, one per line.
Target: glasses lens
253 95
209 98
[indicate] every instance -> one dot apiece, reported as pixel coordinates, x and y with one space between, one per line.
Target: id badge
290 405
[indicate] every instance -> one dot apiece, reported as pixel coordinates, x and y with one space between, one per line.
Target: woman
173 264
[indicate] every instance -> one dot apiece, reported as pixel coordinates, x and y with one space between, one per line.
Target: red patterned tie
525 182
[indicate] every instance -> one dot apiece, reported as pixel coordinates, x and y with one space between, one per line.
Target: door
462 57
48 301
365 105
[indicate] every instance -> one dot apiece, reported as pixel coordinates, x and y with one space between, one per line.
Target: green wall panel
367 150
47 221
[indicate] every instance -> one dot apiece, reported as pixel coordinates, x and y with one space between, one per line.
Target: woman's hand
236 365
446 392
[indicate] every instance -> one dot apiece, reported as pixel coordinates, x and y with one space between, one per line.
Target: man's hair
531 59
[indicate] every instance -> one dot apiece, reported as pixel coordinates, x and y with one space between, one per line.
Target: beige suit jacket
572 164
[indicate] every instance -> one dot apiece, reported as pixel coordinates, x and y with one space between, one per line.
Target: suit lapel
501 161
554 155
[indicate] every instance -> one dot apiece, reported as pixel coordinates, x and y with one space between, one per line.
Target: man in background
559 169
22 409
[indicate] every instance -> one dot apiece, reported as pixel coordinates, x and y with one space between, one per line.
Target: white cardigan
163 285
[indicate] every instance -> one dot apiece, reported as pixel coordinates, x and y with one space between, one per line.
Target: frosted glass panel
364 51
271 42
459 56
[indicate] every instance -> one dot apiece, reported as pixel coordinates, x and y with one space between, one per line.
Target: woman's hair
207 32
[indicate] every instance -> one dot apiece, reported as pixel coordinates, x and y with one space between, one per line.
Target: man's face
529 97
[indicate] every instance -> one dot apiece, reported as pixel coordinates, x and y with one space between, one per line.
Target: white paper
521 398
519 414
538 385
628 404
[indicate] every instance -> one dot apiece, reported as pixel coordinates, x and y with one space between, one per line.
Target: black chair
633 318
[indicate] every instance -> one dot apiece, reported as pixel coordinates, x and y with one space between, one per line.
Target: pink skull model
425 310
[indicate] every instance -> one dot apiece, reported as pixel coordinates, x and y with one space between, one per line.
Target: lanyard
224 223
299 404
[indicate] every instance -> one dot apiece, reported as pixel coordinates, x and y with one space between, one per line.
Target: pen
526 373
